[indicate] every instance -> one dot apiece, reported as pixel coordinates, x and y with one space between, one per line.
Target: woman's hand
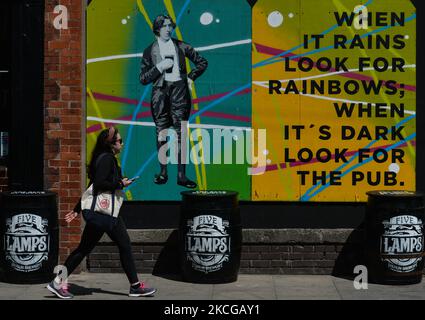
126 182
71 215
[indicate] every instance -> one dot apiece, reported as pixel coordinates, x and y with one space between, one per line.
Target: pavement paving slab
114 286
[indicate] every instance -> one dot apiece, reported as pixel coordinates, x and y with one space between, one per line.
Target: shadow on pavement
77 291
83 291
351 255
167 265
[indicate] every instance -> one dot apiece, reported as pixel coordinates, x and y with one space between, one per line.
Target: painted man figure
163 65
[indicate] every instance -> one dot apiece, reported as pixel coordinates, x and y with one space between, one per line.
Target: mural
341 119
299 102
117 34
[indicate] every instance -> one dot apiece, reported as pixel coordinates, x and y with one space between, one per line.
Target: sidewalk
107 286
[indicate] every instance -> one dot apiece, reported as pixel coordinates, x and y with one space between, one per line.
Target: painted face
166 30
117 146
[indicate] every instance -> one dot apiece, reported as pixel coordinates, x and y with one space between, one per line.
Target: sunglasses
118 140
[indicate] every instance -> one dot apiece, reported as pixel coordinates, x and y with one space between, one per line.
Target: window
5 76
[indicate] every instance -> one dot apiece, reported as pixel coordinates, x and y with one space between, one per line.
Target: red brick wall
63 119
263 251
255 259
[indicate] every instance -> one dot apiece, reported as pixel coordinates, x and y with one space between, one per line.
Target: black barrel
395 237
210 236
29 236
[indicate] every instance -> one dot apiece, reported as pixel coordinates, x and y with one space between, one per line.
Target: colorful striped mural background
246 47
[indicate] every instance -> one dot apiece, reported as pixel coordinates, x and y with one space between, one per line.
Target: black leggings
91 237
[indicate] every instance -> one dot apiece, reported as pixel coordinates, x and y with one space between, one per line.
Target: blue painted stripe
182 11
225 97
410 137
278 59
308 196
266 61
130 130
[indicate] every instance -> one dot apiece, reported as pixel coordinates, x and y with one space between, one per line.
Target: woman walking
105 174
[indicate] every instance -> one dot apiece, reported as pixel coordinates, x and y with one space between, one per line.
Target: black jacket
107 177
151 57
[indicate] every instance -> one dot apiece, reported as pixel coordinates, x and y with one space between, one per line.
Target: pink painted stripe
145 114
273 51
222 115
219 95
283 165
97 127
212 114
106 97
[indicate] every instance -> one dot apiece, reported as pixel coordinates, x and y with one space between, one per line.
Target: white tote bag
108 203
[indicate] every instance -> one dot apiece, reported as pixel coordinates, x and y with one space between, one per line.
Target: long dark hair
104 143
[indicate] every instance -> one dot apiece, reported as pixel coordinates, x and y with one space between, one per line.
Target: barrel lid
209 193
395 193
28 193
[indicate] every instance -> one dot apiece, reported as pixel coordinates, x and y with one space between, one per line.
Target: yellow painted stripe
99 114
170 9
198 132
92 135
198 175
144 12
96 107
129 195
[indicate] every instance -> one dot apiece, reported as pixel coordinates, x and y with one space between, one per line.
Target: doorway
21 92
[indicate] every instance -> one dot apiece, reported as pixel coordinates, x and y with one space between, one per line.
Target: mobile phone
134 178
